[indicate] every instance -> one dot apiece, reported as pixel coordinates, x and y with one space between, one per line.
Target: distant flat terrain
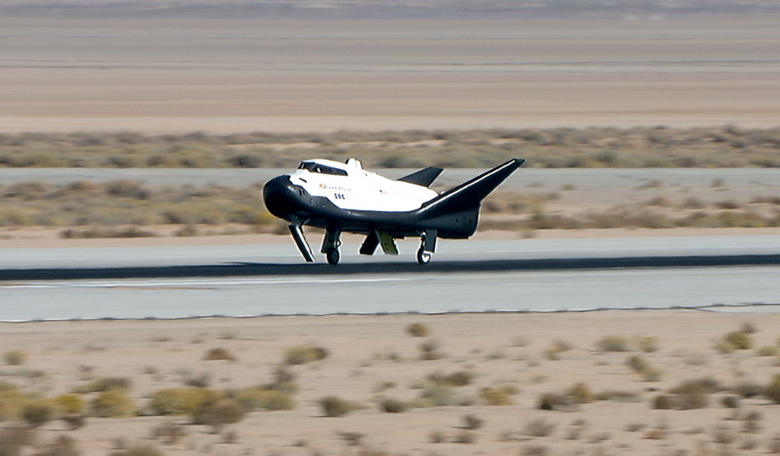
194 72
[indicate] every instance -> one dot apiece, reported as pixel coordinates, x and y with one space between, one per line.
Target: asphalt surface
527 275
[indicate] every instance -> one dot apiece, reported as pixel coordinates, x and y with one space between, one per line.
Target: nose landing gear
330 246
333 256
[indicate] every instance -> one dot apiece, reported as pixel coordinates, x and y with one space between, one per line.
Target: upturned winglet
469 195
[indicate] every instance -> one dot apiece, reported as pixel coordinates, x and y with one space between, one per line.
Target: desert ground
185 74
504 363
238 75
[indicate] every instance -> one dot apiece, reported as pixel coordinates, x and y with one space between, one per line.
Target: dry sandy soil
241 75
236 76
371 357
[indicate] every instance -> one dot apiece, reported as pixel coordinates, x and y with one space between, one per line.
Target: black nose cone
277 195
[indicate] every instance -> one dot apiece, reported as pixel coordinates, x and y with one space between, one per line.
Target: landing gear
427 247
333 255
423 256
330 246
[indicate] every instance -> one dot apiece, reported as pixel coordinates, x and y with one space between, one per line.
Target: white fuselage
350 187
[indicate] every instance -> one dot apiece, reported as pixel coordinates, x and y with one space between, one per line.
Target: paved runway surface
532 275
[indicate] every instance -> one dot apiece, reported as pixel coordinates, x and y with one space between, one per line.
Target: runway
471 276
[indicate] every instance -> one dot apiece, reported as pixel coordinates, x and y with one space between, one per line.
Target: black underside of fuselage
294 204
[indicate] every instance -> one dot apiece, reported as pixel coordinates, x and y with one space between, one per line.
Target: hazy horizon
382 9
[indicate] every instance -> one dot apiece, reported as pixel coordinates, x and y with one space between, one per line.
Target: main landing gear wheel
333 255
423 256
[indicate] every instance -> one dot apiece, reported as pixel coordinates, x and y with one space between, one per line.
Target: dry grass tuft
304 354
334 406
418 330
218 354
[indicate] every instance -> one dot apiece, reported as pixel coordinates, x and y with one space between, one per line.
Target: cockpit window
322 169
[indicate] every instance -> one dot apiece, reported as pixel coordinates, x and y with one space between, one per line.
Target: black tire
333 256
423 257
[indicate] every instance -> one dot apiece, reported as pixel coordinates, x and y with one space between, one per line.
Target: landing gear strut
330 246
427 247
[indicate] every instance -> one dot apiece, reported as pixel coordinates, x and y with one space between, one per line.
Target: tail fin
454 213
470 194
423 177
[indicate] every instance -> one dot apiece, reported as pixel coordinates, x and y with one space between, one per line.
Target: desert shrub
74 421
769 350
535 450
723 435
496 396
472 422
439 396
14 439
105 384
552 401
138 450
655 434
170 432
618 396
430 350
283 374
334 406
581 394
182 401
748 389
692 401
288 388
559 346
70 403
663 402
418 330
201 380
774 445
637 363
218 354
303 354
460 378
61 446
613 344
773 389
260 398
220 413
692 394
352 438
730 401
704 385
740 340
539 428
752 422
646 344
652 375
113 404
465 438
38 413
12 399
390 405
437 437
15 357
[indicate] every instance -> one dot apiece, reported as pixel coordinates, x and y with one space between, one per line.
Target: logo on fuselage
335 187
